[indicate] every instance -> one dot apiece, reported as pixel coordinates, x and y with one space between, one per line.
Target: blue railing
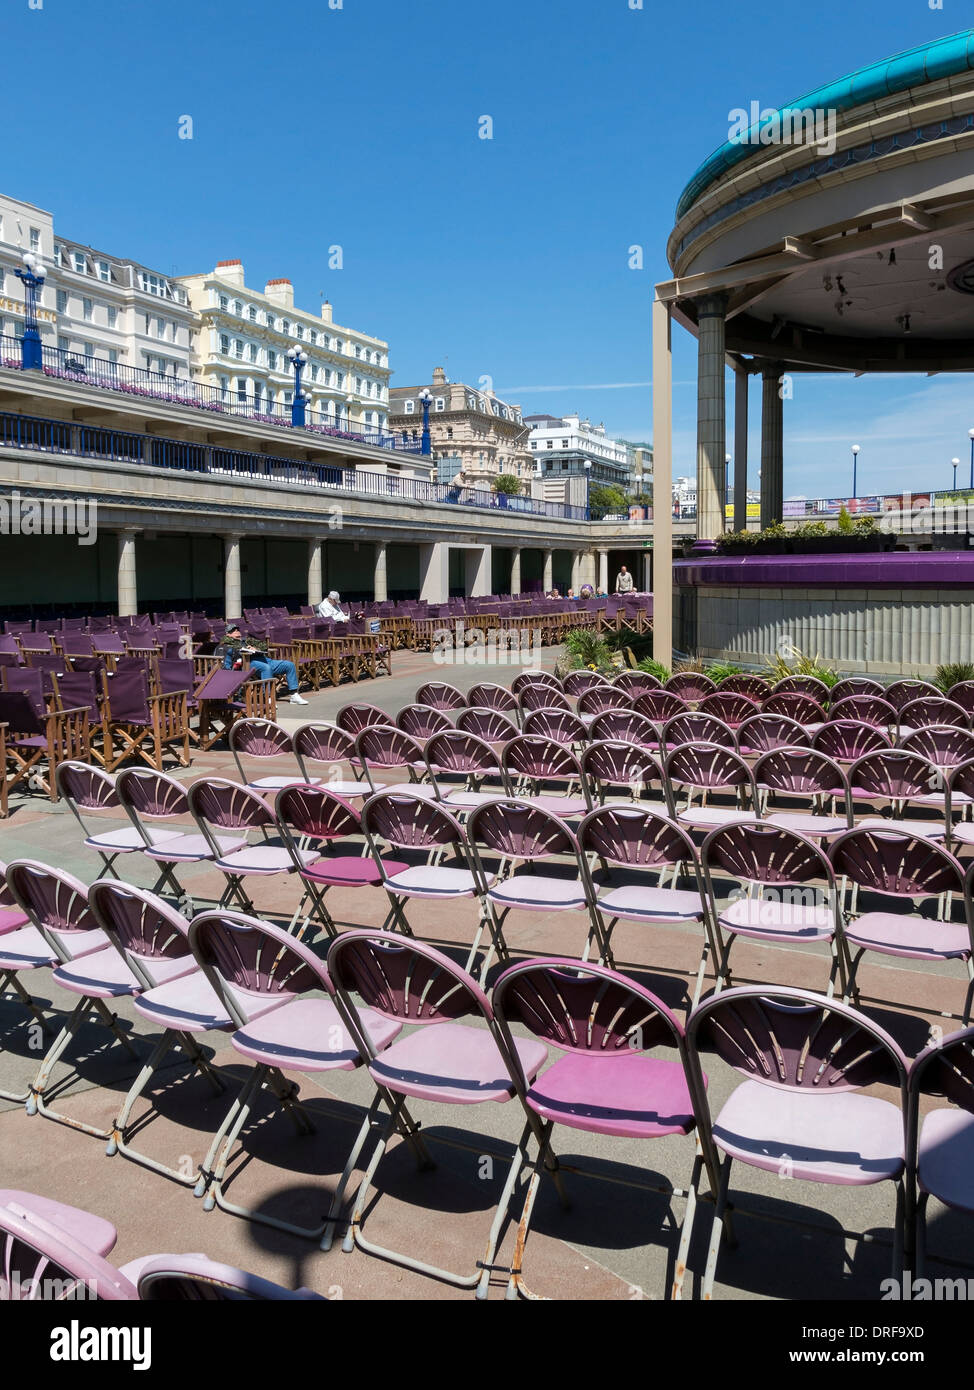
178 455
106 375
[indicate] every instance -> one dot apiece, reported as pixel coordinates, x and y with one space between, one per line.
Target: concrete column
314 572
604 571
740 448
380 590
547 582
647 572
477 571
232 600
434 572
662 483
515 571
128 589
711 417
590 569
772 444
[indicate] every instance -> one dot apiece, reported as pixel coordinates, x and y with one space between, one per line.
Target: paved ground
619 1238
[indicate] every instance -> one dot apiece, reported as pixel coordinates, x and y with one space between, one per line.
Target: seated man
331 608
233 649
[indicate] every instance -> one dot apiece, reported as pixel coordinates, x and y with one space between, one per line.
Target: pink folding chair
422 721
637 683
756 688
928 710
525 679
487 696
801 1111
626 726
270 985
390 750
864 709
940 1148
691 686
325 746
440 696
196 1279
604 1026
86 788
42 1259
601 698
812 778
264 741
659 706
730 707
898 779
764 732
696 727
847 740
531 697
803 685
533 763
855 685
443 1060
458 754
492 725
707 770
577 682
610 763
356 717
558 725
796 704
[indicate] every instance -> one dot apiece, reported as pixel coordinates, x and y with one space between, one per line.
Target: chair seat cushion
433 881
193 848
467 801
815 827
105 975
537 893
846 1137
349 870
455 1063
637 903
710 817
563 806
903 934
922 829
12 919
128 838
945 1157
629 1095
309 1035
263 859
189 1004
276 784
420 789
777 920
26 949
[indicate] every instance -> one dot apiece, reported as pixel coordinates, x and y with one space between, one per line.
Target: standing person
233 649
624 582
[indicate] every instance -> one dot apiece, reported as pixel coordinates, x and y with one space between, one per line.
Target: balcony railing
106 375
179 455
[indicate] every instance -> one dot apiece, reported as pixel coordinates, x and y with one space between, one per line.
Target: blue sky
506 257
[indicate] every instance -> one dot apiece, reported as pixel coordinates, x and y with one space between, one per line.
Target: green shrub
720 670
587 648
796 664
811 528
845 522
737 538
865 526
655 668
952 673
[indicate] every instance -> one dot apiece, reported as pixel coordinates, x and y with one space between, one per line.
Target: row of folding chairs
574 1044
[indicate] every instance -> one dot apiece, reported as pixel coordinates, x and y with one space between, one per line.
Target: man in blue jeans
235 649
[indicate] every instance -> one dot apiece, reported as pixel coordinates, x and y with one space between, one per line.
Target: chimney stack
326 311
281 293
231 271
439 376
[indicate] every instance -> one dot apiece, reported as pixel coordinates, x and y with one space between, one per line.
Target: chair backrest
900 693
762 732
41 1261
945 1068
756 852
79 690
691 686
893 773
422 721
315 813
261 739
963 694
128 697
214 801
26 680
618 763
143 928
356 717
18 712
247 960
577 682
802 685
855 685
459 752
403 979
109 643
543 696
55 901
86 787
696 727
598 699
440 696
794 704
175 673
636 837
845 740
539 758
637 682
707 767
930 709
625 726
387 746
512 827
322 743
730 706
410 822
145 792
791 1039
532 677
492 725
559 725
77 644
801 770
943 745
197 1279
487 696
659 705
896 864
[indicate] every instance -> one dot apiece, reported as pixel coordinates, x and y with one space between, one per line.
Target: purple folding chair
265 742
487 696
944 746
800 1112
558 725
625 726
782 888
26 680
434 847
152 942
940 1149
637 683
422 721
696 727
319 816
902 869
899 779
492 725
526 679
764 732
920 714
604 1025
80 690
389 749
444 1060
356 717
327 746
659 706
542 696
10 648
218 805
635 849
147 795
531 763
756 688
855 685
901 693
864 709
797 705
42 1258
802 685
847 740
270 985
610 763
600 699
577 682
709 770
811 777
89 789
440 696
86 964
196 1279
691 686
516 832
729 706
454 753
36 642
962 694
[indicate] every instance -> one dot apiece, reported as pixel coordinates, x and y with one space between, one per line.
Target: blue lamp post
298 357
970 435
33 277
955 463
426 400
855 460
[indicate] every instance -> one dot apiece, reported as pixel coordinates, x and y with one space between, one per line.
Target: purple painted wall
939 569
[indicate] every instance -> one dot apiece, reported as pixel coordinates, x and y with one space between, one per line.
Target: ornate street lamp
33 277
855 460
426 400
298 357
